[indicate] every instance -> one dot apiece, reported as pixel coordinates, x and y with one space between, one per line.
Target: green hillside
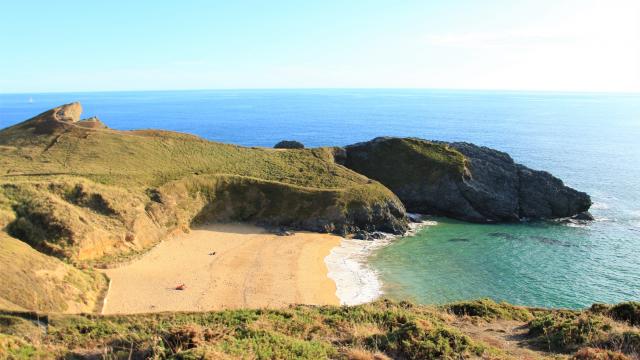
87 193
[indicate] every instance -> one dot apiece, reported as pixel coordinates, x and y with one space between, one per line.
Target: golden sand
251 268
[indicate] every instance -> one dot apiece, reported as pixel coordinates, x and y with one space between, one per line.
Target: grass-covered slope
32 280
87 193
154 157
381 330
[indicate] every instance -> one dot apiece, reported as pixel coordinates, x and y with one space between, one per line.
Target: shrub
628 312
289 144
566 331
422 339
489 310
598 354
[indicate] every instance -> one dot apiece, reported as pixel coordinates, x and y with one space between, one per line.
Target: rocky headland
463 181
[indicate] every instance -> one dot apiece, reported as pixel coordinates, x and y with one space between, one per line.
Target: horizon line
620 92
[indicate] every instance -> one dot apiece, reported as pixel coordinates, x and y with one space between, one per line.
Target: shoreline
356 281
229 266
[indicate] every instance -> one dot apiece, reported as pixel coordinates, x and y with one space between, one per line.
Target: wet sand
251 268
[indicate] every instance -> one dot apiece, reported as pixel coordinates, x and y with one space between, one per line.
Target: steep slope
32 280
463 181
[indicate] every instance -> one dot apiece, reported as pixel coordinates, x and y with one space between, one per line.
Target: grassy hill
87 195
65 185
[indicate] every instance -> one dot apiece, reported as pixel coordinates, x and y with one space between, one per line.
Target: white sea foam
599 206
356 282
576 225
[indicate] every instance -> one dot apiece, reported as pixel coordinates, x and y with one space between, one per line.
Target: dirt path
507 335
251 268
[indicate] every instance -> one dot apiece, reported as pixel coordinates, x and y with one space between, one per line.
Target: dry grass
380 330
31 280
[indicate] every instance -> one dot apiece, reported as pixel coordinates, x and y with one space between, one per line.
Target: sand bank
251 268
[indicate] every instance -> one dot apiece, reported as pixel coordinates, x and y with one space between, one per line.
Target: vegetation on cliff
463 181
381 330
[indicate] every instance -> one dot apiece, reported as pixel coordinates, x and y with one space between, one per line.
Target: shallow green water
539 264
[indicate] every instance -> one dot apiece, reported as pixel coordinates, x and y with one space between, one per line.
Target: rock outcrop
49 123
68 112
92 123
463 181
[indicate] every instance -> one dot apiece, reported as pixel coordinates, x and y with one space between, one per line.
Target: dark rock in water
503 235
463 181
377 235
459 240
289 144
362 235
366 235
584 216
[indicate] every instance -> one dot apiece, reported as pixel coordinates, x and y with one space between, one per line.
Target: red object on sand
180 287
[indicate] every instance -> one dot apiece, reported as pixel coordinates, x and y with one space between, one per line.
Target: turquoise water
537 264
592 141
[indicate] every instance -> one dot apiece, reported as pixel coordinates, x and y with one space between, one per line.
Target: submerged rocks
463 181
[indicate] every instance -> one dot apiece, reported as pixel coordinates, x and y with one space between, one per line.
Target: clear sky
581 45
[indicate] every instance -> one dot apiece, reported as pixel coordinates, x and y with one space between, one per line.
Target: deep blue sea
592 141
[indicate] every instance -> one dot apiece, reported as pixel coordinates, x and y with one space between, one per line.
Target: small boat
30 100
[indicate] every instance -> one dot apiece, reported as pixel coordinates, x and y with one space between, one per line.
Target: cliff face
463 181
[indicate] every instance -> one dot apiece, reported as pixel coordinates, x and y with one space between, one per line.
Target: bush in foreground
376 331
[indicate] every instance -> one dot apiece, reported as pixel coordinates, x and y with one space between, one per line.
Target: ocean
591 141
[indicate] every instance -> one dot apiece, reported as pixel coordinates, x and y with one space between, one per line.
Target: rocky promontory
463 181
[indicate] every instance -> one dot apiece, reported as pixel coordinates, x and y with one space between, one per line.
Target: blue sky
578 45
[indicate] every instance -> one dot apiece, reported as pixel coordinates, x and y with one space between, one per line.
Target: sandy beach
251 268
